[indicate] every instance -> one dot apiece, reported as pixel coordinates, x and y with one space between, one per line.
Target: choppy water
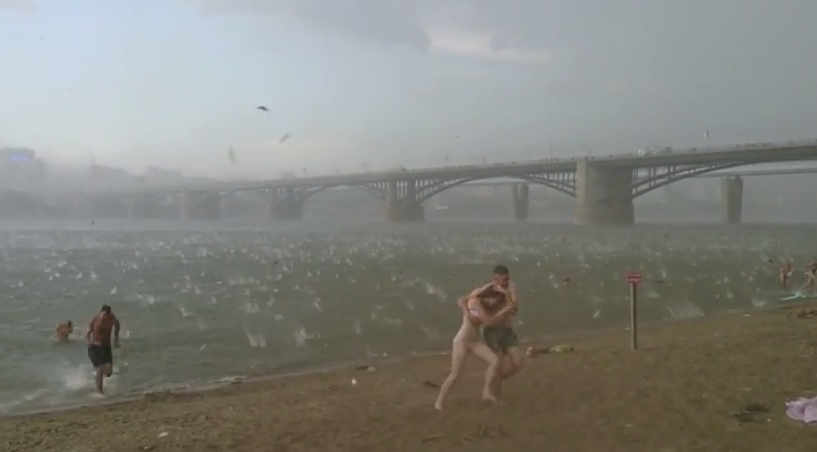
201 306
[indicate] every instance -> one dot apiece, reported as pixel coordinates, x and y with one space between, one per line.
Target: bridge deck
743 154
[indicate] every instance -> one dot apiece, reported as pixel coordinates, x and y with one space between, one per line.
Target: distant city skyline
176 83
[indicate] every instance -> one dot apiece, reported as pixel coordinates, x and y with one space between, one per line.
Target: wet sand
691 387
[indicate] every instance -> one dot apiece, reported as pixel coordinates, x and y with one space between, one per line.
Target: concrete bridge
604 187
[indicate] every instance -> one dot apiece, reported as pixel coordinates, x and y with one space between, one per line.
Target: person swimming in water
785 274
63 331
467 341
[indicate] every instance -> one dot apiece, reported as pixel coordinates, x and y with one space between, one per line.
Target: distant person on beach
100 347
501 338
811 281
785 274
467 341
63 331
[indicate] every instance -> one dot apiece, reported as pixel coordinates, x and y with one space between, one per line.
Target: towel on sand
802 409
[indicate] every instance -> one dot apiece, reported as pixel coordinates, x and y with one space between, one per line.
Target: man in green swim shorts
502 339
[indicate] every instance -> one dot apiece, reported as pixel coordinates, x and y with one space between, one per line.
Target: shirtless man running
467 341
100 348
501 338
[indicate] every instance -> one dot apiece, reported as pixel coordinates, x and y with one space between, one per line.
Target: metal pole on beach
633 279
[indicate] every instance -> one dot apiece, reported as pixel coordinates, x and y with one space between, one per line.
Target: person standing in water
467 341
785 274
501 338
100 346
63 331
811 280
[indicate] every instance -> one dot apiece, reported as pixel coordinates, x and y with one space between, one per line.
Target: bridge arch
367 188
674 174
301 195
205 198
567 187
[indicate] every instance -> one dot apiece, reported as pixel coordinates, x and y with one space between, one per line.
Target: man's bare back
100 329
99 343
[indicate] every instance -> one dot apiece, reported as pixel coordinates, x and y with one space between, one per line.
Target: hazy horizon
385 83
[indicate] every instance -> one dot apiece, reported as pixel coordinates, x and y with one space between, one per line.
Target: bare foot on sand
492 399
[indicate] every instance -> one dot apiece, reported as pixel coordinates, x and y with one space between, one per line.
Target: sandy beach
699 385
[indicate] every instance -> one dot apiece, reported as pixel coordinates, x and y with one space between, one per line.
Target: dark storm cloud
517 24
19 6
391 22
615 35
670 67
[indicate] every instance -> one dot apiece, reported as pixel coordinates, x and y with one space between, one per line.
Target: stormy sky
382 83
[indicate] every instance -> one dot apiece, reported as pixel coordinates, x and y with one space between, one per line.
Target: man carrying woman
491 307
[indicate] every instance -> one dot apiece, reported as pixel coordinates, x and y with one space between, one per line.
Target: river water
212 303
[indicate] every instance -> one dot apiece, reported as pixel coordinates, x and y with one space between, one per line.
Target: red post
633 279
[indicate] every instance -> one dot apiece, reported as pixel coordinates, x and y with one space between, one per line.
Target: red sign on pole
633 277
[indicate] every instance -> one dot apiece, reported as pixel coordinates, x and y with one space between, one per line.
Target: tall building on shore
20 165
102 172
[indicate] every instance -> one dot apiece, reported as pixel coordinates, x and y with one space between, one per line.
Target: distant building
21 164
16 155
105 172
154 173
102 175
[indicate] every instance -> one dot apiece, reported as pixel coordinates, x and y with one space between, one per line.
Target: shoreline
687 388
185 389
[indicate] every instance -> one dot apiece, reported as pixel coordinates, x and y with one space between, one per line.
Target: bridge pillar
285 205
603 195
401 202
199 205
732 196
521 201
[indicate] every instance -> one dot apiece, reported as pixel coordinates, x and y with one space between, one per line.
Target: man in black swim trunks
502 339
100 348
